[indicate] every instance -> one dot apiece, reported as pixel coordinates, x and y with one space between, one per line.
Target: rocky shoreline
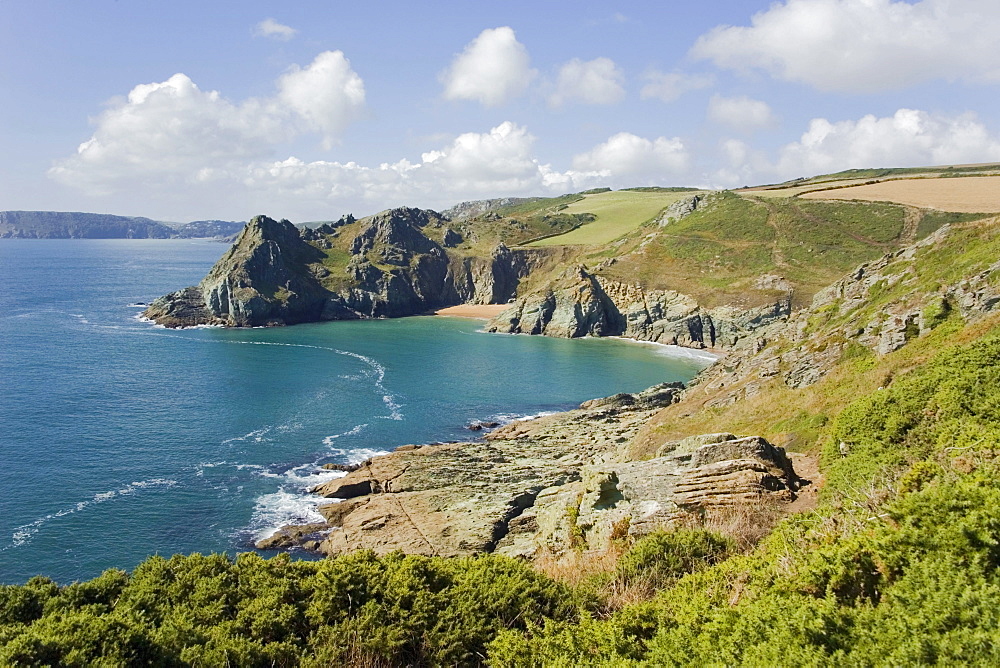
542 486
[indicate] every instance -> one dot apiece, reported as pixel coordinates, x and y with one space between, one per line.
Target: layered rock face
541 486
583 304
493 280
275 275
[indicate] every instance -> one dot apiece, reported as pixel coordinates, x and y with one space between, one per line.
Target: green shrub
664 556
209 610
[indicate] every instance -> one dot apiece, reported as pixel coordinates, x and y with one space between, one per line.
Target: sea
120 439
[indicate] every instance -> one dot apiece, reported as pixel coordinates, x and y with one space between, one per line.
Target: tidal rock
657 396
290 536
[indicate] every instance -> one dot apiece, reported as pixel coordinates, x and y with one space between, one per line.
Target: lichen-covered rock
541 485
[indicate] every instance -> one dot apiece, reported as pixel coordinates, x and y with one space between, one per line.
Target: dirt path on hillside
911 222
777 255
807 468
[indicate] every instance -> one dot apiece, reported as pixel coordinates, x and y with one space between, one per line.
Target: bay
119 439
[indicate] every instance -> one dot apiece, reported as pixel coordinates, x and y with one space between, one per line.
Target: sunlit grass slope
617 213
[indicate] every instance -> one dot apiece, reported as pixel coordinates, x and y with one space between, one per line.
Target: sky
308 110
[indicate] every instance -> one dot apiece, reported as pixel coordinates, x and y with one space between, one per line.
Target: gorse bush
949 407
664 556
359 609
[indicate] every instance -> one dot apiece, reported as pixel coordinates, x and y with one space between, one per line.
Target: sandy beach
478 311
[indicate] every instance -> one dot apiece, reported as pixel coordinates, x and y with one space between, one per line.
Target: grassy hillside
615 214
718 253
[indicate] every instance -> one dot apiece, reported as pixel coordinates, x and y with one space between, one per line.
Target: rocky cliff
267 277
387 265
581 303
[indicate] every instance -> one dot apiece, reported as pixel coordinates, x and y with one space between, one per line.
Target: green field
617 213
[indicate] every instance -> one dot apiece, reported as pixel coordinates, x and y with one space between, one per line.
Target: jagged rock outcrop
274 275
478 207
679 209
263 279
584 304
540 485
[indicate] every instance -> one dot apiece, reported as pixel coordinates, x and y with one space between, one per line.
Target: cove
122 440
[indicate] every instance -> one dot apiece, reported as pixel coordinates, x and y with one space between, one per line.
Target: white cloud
274 30
172 132
597 81
493 69
670 86
862 45
169 130
738 164
907 138
471 166
743 113
629 159
328 94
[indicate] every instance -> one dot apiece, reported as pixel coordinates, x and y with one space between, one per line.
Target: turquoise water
119 439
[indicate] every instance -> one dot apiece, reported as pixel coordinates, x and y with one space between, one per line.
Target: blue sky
308 110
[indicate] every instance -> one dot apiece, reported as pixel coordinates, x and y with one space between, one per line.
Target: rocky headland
76 225
410 261
391 266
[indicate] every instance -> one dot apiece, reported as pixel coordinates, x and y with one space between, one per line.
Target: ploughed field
970 194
